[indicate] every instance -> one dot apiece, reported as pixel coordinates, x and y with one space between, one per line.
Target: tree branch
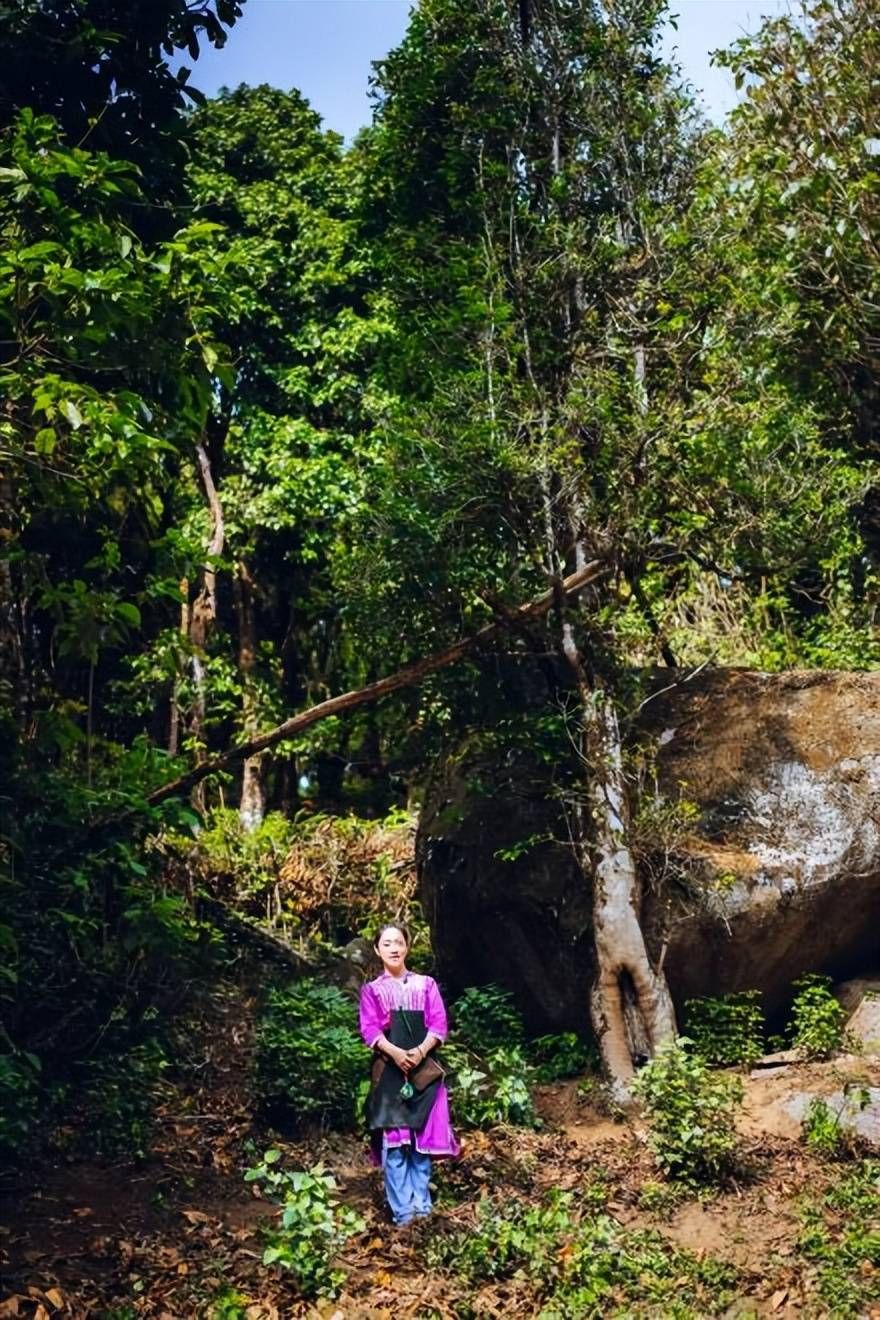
406 677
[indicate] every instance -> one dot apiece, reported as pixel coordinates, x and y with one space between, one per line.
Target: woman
402 1021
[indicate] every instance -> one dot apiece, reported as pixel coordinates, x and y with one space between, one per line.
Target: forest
373 518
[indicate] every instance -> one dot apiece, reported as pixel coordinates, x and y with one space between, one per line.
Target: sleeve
435 1011
371 1016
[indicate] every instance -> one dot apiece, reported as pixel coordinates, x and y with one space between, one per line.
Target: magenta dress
379 999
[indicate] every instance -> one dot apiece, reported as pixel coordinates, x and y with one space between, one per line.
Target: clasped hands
406 1060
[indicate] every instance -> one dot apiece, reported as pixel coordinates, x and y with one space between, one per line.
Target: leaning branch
406 677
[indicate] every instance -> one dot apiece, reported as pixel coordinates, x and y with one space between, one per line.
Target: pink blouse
379 998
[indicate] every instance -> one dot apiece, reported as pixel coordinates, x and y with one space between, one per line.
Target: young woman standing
402 1020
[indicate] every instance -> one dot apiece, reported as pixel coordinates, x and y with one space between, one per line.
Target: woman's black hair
391 925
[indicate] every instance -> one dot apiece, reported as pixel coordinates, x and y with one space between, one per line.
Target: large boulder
778 874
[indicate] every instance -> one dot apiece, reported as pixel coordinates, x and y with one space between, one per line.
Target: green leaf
130 613
45 440
72 413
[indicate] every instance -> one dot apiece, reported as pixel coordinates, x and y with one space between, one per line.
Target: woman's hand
414 1057
402 1059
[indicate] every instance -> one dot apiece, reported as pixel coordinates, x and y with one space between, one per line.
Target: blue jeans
407 1173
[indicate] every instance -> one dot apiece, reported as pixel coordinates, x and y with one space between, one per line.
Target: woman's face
392 949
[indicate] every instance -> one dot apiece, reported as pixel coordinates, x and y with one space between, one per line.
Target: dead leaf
55 1297
778 1299
183 1268
41 1313
83 1211
196 1216
9 1306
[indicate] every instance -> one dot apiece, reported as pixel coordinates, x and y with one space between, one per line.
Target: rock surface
781 873
863 1027
856 1111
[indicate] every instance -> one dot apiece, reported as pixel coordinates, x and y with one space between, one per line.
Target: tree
793 187
98 68
288 430
533 183
525 206
106 376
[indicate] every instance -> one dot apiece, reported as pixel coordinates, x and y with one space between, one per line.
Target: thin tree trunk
203 616
174 714
252 804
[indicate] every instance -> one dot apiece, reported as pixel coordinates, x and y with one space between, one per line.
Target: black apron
386 1107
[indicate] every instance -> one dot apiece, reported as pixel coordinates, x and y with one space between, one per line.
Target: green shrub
313 1228
19 1102
823 1128
583 1266
118 1094
556 1057
661 1198
310 1061
252 856
729 1030
228 1304
690 1113
484 1017
490 1090
506 1238
841 1241
489 1074
817 1018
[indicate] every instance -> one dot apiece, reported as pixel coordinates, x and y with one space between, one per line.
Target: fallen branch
252 935
406 677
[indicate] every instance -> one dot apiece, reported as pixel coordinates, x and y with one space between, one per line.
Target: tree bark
252 804
203 615
174 713
630 1005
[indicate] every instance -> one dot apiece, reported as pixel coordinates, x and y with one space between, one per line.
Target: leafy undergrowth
571 1219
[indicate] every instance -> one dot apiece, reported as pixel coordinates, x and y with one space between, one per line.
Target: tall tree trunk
630 1005
174 713
252 805
203 615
